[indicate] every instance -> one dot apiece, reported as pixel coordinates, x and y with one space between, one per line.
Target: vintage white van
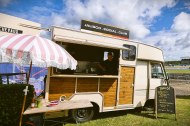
139 71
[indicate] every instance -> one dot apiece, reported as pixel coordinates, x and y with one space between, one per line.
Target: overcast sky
162 23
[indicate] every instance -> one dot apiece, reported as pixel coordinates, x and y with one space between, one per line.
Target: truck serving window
130 54
156 70
89 59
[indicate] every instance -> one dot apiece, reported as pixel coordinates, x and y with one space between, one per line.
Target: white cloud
172 44
187 4
136 15
58 20
175 42
181 22
4 3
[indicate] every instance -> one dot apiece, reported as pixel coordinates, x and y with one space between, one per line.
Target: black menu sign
106 29
10 30
165 100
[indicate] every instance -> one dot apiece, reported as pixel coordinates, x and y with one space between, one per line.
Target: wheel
138 109
149 105
83 114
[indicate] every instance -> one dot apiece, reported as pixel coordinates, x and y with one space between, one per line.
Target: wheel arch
149 104
95 98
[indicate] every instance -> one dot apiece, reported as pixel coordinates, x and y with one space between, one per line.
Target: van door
156 78
126 85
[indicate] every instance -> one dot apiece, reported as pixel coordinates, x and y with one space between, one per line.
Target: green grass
130 118
178 71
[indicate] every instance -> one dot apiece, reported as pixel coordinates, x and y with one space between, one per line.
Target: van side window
156 70
130 54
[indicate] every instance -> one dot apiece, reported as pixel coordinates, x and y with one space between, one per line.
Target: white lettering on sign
122 33
110 30
92 26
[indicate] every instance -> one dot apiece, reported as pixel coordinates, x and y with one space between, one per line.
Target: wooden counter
66 105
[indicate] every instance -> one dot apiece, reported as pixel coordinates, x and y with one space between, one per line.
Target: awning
89 42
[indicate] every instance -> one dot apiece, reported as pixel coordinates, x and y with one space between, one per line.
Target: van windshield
156 70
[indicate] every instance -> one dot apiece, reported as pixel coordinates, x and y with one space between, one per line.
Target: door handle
132 85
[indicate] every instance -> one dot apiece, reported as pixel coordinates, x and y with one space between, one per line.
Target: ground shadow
183 96
111 114
59 121
145 114
67 120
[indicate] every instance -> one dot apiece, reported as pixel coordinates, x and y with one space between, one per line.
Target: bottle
33 102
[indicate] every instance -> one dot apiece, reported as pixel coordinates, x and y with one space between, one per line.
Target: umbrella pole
29 72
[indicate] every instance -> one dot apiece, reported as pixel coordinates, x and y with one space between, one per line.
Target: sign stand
165 101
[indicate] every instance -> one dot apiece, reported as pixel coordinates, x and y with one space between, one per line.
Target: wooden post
28 78
175 106
7 79
1 80
23 105
156 103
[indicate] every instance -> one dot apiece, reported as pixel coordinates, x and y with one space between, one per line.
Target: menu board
165 100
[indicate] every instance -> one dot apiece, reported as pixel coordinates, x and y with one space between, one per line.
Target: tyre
82 115
149 105
138 109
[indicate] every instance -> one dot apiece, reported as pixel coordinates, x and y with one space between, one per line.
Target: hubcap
82 113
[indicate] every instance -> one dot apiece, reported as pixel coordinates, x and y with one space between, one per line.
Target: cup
39 103
32 105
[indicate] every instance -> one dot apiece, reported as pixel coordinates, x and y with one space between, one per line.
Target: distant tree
173 63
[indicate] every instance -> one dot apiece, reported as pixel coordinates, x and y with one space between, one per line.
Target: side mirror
167 77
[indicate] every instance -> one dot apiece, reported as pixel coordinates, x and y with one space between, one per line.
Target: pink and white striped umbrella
24 49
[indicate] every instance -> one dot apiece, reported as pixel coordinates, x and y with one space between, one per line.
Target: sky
161 23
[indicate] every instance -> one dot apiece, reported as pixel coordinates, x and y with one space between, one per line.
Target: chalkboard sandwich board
165 100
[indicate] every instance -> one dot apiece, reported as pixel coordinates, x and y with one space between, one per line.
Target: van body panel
93 97
156 79
141 83
149 53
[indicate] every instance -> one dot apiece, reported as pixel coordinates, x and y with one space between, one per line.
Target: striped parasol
26 49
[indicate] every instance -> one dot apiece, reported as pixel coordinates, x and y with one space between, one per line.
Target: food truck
139 71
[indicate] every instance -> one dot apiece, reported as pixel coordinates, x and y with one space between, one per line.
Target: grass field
130 118
177 71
